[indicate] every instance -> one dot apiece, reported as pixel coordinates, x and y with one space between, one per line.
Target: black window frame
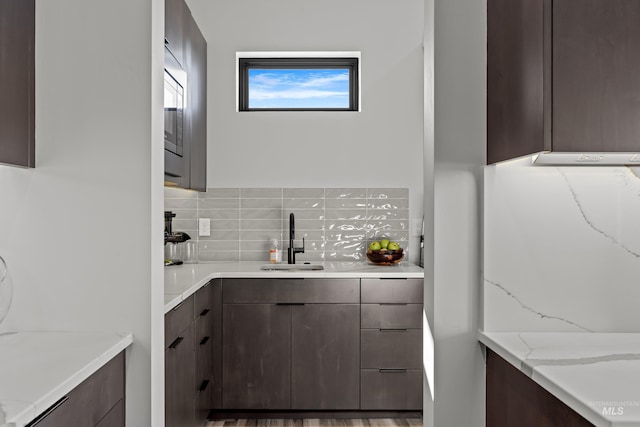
350 63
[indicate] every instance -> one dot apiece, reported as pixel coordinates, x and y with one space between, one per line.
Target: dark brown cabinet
189 48
391 344
179 362
207 342
282 349
17 82
513 399
99 401
562 75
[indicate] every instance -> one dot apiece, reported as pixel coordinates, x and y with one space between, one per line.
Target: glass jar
6 290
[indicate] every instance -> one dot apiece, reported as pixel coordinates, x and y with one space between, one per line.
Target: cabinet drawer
391 389
203 300
177 320
248 291
391 348
385 316
90 401
392 291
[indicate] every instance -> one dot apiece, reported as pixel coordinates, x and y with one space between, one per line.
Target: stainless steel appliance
175 81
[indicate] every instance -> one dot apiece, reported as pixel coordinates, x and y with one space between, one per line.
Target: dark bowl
385 256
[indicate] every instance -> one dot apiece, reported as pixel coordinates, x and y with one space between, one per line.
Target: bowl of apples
384 252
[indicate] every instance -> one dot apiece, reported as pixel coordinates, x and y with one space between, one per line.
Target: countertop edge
564 396
52 396
177 297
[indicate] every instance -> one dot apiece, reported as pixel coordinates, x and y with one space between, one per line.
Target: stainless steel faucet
292 251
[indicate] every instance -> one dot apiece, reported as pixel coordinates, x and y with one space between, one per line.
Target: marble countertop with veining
39 368
181 281
595 374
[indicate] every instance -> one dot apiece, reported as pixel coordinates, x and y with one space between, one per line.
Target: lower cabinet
391 344
293 344
179 365
98 401
514 399
192 367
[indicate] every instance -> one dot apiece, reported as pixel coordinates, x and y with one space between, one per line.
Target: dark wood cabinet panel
179 380
391 316
196 64
175 12
91 401
596 75
115 417
391 348
391 389
562 76
291 291
256 356
513 399
325 366
515 78
392 291
177 320
17 82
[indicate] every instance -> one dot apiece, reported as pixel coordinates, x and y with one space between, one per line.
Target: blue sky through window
299 88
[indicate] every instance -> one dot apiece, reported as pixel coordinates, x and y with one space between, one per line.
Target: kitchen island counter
39 368
181 281
595 374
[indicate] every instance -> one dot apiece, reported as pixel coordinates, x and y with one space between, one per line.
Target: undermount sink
291 267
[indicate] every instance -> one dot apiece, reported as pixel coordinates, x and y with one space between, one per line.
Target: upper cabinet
186 110
175 14
562 75
17 82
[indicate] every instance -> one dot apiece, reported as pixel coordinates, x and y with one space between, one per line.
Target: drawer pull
204 340
204 385
393 303
392 371
176 342
289 303
46 413
393 330
204 312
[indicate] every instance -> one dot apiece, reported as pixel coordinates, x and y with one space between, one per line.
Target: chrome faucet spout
292 250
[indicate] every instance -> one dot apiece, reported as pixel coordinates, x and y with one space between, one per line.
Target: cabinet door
17 82
90 401
596 69
180 389
174 19
325 351
196 64
256 356
515 79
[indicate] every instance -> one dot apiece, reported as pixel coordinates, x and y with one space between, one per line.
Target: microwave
174 117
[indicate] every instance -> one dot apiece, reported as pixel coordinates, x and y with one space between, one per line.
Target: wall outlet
204 226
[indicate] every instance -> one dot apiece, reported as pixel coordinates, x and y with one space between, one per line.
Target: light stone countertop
595 374
181 281
39 368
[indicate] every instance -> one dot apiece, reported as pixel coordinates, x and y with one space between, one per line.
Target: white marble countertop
39 368
595 374
181 281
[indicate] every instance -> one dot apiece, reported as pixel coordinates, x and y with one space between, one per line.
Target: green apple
393 246
384 243
374 246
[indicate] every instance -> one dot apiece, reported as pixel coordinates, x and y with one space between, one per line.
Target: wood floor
311 422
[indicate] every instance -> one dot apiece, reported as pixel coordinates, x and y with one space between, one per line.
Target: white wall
379 147
77 231
460 117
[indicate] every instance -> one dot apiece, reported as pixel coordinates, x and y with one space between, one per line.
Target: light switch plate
204 226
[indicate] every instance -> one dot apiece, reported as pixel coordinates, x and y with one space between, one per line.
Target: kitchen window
298 81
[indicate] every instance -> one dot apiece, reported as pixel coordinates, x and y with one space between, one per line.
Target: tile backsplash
336 223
